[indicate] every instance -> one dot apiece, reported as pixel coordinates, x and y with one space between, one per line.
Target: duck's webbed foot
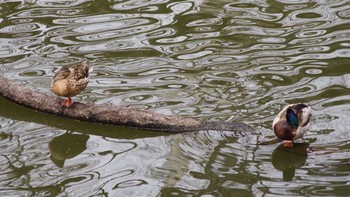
68 102
287 144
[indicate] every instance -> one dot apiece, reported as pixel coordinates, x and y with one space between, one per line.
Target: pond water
214 60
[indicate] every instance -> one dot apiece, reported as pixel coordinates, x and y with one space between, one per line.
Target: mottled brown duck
70 81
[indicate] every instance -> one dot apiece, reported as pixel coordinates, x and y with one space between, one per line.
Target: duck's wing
62 73
304 112
292 118
81 70
305 116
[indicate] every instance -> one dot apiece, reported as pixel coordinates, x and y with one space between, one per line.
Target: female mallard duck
292 123
70 81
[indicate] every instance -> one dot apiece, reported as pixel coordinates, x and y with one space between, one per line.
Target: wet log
109 114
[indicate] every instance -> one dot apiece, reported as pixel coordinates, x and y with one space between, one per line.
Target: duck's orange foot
68 102
287 144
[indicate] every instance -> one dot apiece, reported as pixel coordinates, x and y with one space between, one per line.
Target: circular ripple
129 5
130 183
33 73
23 28
310 33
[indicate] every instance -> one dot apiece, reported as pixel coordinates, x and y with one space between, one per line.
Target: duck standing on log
292 123
70 81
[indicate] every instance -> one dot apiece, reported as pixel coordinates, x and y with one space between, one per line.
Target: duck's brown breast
60 87
284 131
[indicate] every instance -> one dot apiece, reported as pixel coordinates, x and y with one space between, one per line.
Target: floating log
109 114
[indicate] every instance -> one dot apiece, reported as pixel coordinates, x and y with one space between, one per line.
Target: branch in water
109 114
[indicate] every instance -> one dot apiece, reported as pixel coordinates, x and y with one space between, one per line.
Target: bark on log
109 114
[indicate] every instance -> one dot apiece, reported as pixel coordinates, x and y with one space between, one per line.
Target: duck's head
292 122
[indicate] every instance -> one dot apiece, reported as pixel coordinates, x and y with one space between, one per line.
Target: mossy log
110 114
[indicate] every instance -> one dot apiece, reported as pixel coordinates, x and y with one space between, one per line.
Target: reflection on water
66 146
289 159
217 60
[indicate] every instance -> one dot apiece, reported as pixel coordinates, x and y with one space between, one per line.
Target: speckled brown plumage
70 81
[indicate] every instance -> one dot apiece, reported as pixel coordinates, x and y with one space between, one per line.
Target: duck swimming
292 123
70 81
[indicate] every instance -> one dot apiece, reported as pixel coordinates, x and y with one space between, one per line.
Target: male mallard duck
70 81
292 123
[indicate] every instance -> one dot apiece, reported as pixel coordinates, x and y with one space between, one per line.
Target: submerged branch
109 114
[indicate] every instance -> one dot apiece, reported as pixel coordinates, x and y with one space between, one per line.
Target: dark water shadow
288 160
14 111
67 146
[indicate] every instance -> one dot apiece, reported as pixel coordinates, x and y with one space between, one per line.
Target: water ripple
219 60
48 12
136 4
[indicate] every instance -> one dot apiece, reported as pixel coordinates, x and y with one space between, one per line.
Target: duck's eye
292 118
